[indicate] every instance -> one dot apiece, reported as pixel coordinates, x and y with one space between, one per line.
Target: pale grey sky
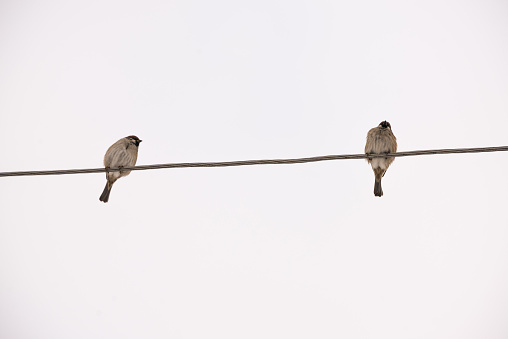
296 251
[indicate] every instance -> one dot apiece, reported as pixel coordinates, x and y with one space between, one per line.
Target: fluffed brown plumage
122 153
380 140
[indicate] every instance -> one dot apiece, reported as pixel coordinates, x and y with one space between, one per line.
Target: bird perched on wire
380 140
122 153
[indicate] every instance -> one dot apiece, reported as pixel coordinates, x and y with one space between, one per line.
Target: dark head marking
385 124
134 139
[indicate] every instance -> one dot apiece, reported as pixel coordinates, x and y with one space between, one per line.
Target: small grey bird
122 153
380 140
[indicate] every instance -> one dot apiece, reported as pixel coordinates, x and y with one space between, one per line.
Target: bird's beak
140 140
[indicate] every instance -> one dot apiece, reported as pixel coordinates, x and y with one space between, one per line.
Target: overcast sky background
286 251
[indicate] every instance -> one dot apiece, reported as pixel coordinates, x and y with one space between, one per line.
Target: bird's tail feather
378 191
105 194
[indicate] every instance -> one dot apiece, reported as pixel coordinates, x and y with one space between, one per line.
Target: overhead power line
260 162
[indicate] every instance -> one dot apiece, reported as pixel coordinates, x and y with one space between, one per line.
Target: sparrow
380 140
122 153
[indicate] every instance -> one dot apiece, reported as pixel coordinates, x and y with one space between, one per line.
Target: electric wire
258 162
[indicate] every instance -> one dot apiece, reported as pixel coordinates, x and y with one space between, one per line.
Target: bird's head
385 124
134 139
